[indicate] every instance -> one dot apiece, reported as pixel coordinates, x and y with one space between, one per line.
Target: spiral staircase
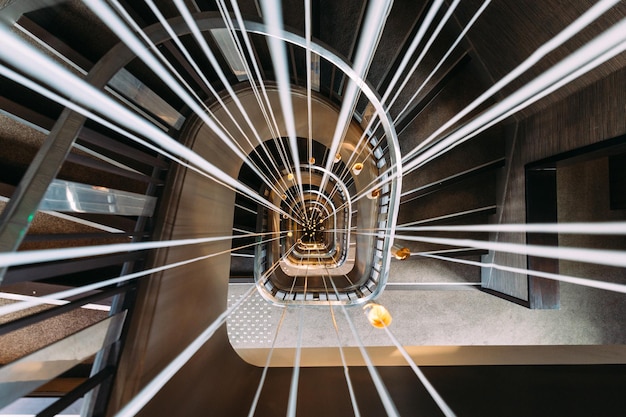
271 198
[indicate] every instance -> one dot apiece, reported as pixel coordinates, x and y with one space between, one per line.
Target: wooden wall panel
589 116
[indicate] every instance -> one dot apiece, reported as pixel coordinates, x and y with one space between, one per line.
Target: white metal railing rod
445 409
272 15
600 228
295 377
385 398
596 256
135 405
12 308
26 58
586 282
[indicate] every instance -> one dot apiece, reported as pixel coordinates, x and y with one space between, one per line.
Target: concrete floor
452 317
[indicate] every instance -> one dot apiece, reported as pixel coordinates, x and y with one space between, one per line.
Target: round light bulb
373 195
400 253
377 315
357 168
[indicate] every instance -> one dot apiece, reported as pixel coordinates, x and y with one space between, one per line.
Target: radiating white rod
445 409
443 59
295 377
279 144
81 110
586 282
190 90
430 16
257 395
272 16
122 31
52 301
448 216
588 17
307 36
601 228
346 372
7 72
135 405
12 308
262 105
273 131
385 398
373 25
594 53
47 255
424 51
596 256
575 27
26 58
543 93
599 50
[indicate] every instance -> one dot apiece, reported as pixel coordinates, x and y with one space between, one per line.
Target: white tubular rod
586 282
51 301
605 228
595 256
443 59
73 106
101 9
355 407
276 130
272 15
346 372
276 174
150 390
307 35
47 255
594 53
565 80
374 23
599 50
430 16
23 56
257 395
579 24
425 50
445 409
295 377
81 110
12 308
190 90
385 398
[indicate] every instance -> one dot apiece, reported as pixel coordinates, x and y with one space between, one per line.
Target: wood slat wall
593 114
